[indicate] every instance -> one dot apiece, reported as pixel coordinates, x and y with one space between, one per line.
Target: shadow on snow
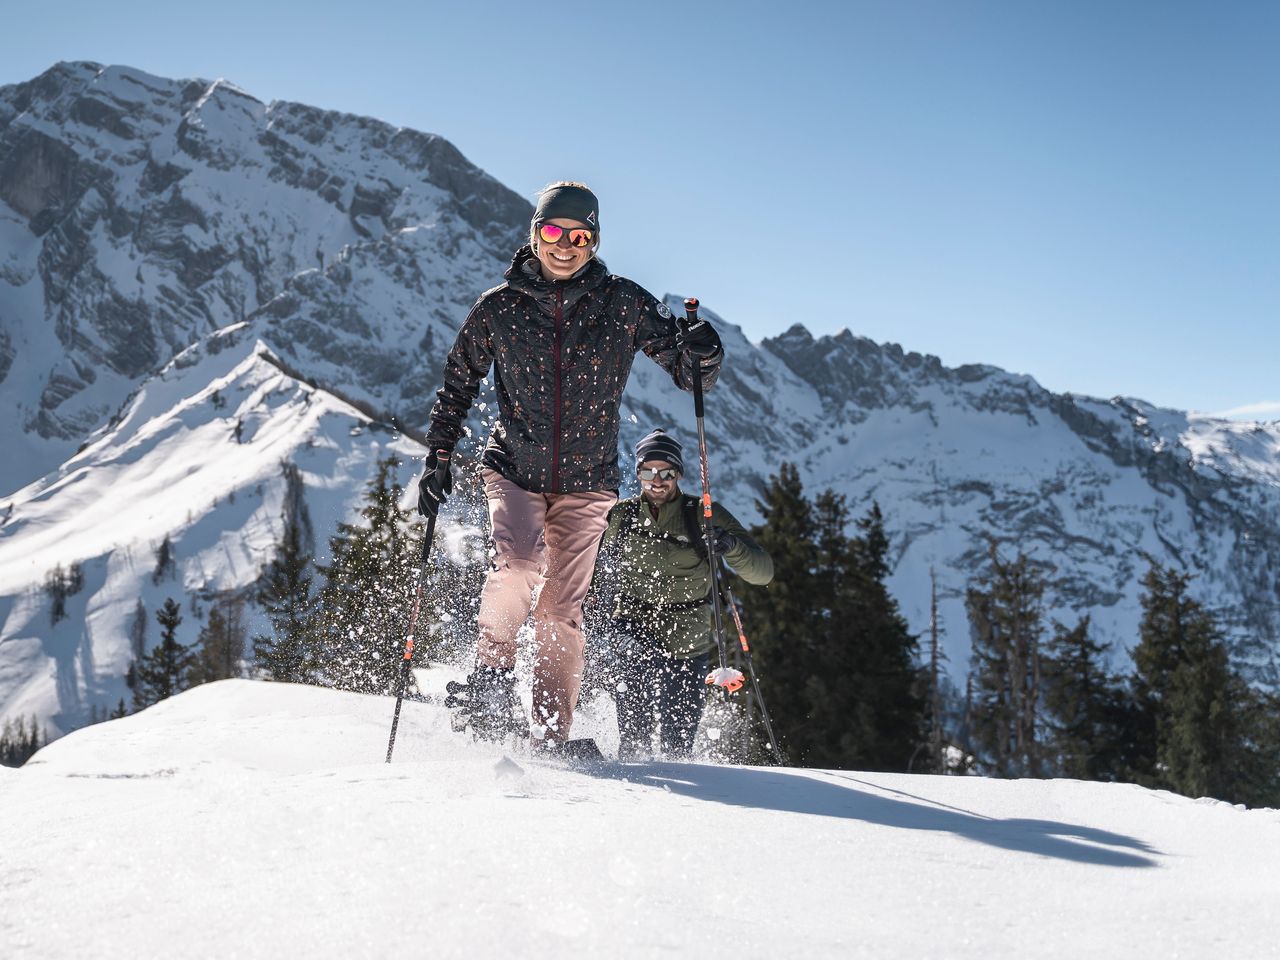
792 793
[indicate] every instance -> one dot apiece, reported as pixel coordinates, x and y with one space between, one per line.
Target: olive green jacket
649 571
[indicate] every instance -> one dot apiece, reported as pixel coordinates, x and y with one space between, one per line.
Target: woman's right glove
436 484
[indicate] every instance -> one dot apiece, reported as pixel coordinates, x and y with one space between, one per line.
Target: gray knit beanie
660 445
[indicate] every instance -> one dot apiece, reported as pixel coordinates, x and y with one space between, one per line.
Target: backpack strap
693 525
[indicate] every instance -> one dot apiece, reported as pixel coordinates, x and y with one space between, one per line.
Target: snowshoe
487 704
580 752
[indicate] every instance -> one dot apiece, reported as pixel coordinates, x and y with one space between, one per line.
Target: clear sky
1085 191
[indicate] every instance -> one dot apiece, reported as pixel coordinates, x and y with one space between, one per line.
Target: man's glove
724 541
699 340
436 484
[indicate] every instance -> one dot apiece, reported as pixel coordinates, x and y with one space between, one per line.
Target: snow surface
249 819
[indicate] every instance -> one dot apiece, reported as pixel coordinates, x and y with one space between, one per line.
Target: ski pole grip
691 310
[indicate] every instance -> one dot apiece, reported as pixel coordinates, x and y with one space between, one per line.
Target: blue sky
1085 191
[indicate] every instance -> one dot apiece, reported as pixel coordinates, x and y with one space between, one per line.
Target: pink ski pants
546 540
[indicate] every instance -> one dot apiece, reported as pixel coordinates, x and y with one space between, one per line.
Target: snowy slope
197 455
258 820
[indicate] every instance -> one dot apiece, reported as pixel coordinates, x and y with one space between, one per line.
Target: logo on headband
591 218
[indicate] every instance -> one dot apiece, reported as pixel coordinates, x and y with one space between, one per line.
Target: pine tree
120 711
1086 709
166 562
1203 731
220 647
285 594
19 741
933 688
885 652
864 709
163 672
782 616
833 653
368 590
138 631
1004 607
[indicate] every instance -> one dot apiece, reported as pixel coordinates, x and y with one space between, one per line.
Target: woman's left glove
699 340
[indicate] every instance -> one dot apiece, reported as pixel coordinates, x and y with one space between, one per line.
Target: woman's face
561 260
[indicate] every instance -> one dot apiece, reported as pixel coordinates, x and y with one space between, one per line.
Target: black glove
699 340
724 541
435 486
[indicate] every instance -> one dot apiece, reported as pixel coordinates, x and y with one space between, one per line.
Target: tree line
849 686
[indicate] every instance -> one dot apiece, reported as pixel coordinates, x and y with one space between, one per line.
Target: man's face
654 486
561 260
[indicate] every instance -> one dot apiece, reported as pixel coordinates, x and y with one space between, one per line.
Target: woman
561 334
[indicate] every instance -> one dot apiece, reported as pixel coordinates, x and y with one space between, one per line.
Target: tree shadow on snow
806 793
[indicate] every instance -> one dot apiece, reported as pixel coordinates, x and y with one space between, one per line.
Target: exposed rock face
141 213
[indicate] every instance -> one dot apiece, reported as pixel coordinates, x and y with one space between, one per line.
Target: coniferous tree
368 590
1004 608
893 649
933 686
18 741
220 647
138 631
865 710
166 562
1202 729
1086 708
782 617
833 653
120 711
163 672
290 653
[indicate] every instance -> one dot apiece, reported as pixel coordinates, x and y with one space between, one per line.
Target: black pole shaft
717 613
751 669
442 467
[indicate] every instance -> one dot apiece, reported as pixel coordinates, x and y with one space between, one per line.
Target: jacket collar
525 276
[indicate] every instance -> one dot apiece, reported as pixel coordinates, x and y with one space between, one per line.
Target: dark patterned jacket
561 352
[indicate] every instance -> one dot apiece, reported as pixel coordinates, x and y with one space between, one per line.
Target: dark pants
655 691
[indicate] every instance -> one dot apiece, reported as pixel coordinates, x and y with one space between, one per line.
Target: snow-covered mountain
203 295
212 453
274 800
138 214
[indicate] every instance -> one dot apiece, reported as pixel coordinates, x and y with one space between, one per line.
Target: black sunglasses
652 473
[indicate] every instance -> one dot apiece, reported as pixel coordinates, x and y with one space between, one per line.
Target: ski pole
442 469
724 676
751 669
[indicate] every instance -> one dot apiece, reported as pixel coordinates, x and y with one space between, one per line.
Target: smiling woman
561 333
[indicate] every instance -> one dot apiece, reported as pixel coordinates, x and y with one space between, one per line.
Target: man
655 576
560 334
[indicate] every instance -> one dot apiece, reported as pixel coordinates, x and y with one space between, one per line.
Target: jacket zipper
555 414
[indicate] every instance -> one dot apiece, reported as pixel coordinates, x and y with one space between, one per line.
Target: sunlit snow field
249 819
